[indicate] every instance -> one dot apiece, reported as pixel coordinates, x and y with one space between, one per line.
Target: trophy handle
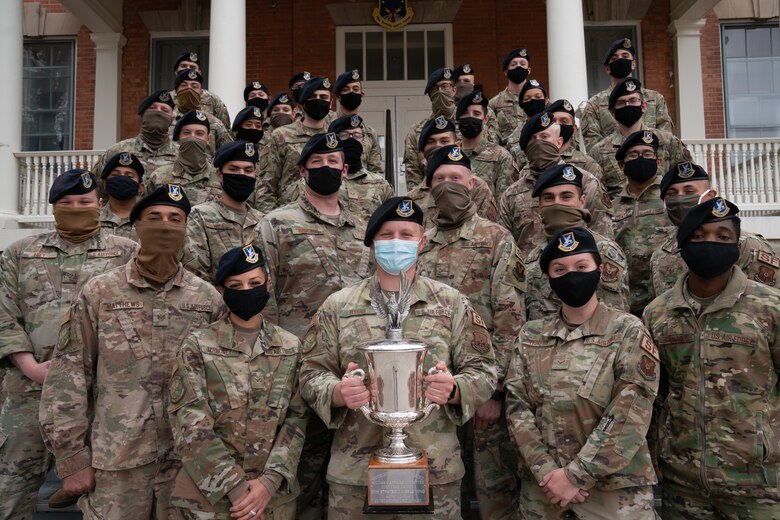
429 406
359 373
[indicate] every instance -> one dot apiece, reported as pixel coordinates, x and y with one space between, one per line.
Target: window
598 39
751 74
47 114
164 54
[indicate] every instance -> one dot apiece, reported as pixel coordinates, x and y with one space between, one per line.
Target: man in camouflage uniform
215 227
627 103
465 83
562 206
580 392
280 112
153 145
238 421
249 126
209 102
256 95
506 104
104 404
563 115
518 210
188 86
597 121
684 186
719 337
478 258
313 249
458 345
41 276
121 177
349 93
192 169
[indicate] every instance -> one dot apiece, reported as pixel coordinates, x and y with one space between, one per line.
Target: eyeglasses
630 156
355 135
633 102
444 86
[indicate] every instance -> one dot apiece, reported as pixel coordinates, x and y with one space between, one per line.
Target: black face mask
709 259
246 303
353 153
567 131
640 169
628 115
470 127
517 75
316 109
252 135
122 188
620 68
532 106
261 103
324 180
351 100
237 186
576 288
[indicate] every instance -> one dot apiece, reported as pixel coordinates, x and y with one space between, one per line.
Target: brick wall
85 90
712 79
657 53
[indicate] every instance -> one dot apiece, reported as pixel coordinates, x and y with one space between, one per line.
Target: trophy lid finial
392 306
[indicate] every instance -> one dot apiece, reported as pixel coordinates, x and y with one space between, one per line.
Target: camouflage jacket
414 162
493 164
519 211
756 259
641 226
199 188
150 159
542 302
596 122
480 260
363 192
115 224
219 132
40 276
236 415
105 400
211 104
439 316
481 194
582 399
509 115
309 256
722 413
372 152
213 229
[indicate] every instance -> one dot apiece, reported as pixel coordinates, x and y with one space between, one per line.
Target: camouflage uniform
372 152
236 416
481 195
581 398
105 401
441 317
480 260
542 302
116 225
641 226
363 192
213 229
493 164
596 122
756 258
519 211
509 115
150 159
40 276
211 104
718 452
219 133
199 188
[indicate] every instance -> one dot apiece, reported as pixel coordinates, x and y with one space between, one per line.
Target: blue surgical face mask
395 255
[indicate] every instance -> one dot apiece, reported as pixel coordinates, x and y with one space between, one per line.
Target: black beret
235 151
123 159
311 86
437 76
713 210
462 70
534 125
254 85
161 96
568 242
450 154
298 78
556 176
346 123
561 105
345 78
72 182
617 45
187 75
437 125
186 56
168 195
193 117
320 143
472 98
238 261
280 99
245 114
682 172
638 138
395 208
624 87
515 53
529 85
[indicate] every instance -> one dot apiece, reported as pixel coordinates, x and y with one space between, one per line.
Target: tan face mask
542 154
193 155
454 203
158 258
556 217
280 119
154 127
76 224
443 104
188 99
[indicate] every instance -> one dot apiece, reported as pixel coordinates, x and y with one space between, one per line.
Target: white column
108 88
11 67
227 53
566 51
688 79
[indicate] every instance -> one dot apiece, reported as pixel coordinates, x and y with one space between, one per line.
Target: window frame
637 27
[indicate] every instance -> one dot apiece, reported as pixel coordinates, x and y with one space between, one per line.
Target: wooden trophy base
398 488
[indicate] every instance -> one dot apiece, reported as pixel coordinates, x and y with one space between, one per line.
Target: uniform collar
267 337
107 215
245 219
134 277
733 291
465 231
96 242
625 194
342 219
595 326
419 292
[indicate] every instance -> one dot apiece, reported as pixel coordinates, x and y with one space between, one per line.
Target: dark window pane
733 42
395 56
353 50
415 55
47 113
597 42
164 54
374 57
435 50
